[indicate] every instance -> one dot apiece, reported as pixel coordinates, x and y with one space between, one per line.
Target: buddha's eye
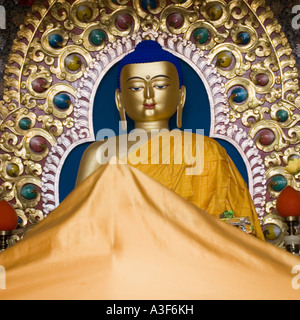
160 87
136 89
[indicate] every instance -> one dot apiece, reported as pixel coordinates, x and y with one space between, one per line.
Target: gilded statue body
150 92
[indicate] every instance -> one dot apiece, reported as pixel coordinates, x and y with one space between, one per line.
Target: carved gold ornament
63 42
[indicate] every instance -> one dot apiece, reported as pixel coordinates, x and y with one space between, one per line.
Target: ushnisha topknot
149 51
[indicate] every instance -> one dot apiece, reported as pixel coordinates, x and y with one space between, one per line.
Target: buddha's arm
88 163
239 190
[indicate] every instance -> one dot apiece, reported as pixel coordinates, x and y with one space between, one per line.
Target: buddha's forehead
149 70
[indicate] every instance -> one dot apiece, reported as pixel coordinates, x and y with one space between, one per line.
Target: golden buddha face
150 92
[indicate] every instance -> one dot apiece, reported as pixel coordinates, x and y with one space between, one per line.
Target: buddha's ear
121 109
182 96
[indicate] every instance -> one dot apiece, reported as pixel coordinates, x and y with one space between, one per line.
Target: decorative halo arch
65 47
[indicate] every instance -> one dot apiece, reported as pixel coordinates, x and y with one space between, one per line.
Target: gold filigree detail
274 105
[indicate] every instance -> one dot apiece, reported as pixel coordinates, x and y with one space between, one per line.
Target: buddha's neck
152 125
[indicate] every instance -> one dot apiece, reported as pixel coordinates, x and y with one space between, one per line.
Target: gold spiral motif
58 41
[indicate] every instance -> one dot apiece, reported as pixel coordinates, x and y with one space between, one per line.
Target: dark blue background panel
196 115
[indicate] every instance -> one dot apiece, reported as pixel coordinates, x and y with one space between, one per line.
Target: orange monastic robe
122 235
217 188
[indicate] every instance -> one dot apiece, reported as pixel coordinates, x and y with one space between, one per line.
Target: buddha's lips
149 106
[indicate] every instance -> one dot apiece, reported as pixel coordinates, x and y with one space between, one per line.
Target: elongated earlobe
121 110
180 106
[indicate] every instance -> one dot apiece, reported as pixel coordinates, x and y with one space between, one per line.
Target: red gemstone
38 144
124 21
39 85
262 79
288 202
8 216
175 20
266 137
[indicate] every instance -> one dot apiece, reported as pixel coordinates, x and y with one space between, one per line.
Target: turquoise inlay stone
55 40
215 12
97 37
278 183
29 191
12 169
201 35
62 101
25 123
282 115
148 4
243 38
239 95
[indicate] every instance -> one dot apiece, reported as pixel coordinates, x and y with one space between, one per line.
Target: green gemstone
282 115
25 123
29 191
97 37
278 183
201 35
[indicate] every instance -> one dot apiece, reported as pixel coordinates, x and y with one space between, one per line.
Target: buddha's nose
149 92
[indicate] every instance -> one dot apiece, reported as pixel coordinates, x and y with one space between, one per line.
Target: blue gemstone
62 101
243 37
149 4
239 95
55 40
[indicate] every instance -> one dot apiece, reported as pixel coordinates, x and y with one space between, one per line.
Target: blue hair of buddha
149 51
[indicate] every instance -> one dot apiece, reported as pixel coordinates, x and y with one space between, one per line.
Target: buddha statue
150 91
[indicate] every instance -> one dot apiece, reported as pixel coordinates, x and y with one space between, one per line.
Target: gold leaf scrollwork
218 18
237 67
62 72
187 18
280 140
215 36
250 102
131 21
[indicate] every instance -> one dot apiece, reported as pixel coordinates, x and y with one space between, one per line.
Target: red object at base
26 3
8 217
288 202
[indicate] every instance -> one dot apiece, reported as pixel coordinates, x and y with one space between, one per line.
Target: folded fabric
122 235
